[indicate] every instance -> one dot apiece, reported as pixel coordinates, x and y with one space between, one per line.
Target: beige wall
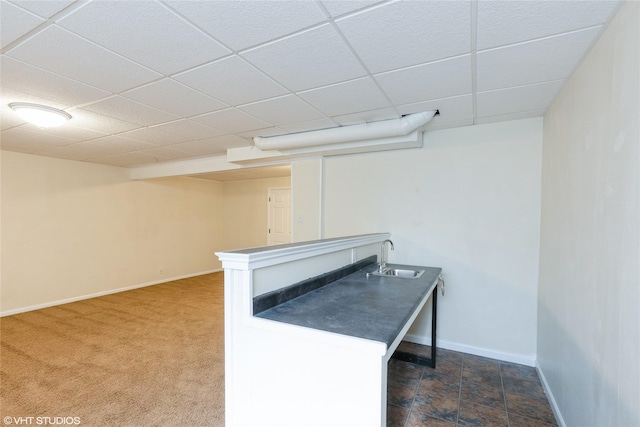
589 292
245 211
72 229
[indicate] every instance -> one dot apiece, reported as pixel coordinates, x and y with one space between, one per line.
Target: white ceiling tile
61 52
270 131
173 132
517 99
231 80
231 121
166 153
175 98
506 22
452 110
14 22
340 7
282 110
145 32
130 111
12 142
85 119
528 63
345 98
8 118
20 79
126 159
68 152
511 116
75 134
298 66
401 34
44 8
306 60
227 141
28 138
77 151
212 146
200 148
189 129
429 81
153 136
310 125
112 144
366 116
241 24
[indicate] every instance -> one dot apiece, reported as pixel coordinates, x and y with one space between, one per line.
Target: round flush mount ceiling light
40 115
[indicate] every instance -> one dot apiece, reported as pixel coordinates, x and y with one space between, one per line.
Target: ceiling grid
163 81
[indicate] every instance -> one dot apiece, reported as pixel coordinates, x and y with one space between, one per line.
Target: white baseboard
550 397
522 359
99 294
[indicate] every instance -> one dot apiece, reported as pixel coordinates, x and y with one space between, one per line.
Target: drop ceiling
160 81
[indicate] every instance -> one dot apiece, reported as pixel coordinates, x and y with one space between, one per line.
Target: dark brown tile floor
464 390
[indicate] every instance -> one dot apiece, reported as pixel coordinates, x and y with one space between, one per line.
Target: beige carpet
150 356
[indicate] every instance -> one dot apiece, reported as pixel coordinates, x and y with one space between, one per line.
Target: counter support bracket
421 360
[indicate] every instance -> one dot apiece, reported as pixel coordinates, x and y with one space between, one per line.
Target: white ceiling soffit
405 132
345 134
158 82
248 173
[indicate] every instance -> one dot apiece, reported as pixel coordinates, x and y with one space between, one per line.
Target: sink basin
399 272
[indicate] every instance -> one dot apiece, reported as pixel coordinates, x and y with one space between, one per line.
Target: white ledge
249 259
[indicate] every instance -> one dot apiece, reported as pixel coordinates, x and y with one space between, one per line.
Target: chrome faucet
382 265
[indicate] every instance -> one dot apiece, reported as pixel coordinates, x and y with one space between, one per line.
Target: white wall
469 202
306 194
589 294
72 229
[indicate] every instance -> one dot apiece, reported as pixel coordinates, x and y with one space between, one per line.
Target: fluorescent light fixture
40 115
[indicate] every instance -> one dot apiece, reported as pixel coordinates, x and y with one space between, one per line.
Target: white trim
103 293
321 215
550 397
522 359
249 259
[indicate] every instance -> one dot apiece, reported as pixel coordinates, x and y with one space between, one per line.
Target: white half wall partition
267 377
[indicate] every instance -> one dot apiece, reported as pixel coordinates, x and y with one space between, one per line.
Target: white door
279 216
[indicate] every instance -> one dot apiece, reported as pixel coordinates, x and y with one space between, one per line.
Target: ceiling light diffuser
40 115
